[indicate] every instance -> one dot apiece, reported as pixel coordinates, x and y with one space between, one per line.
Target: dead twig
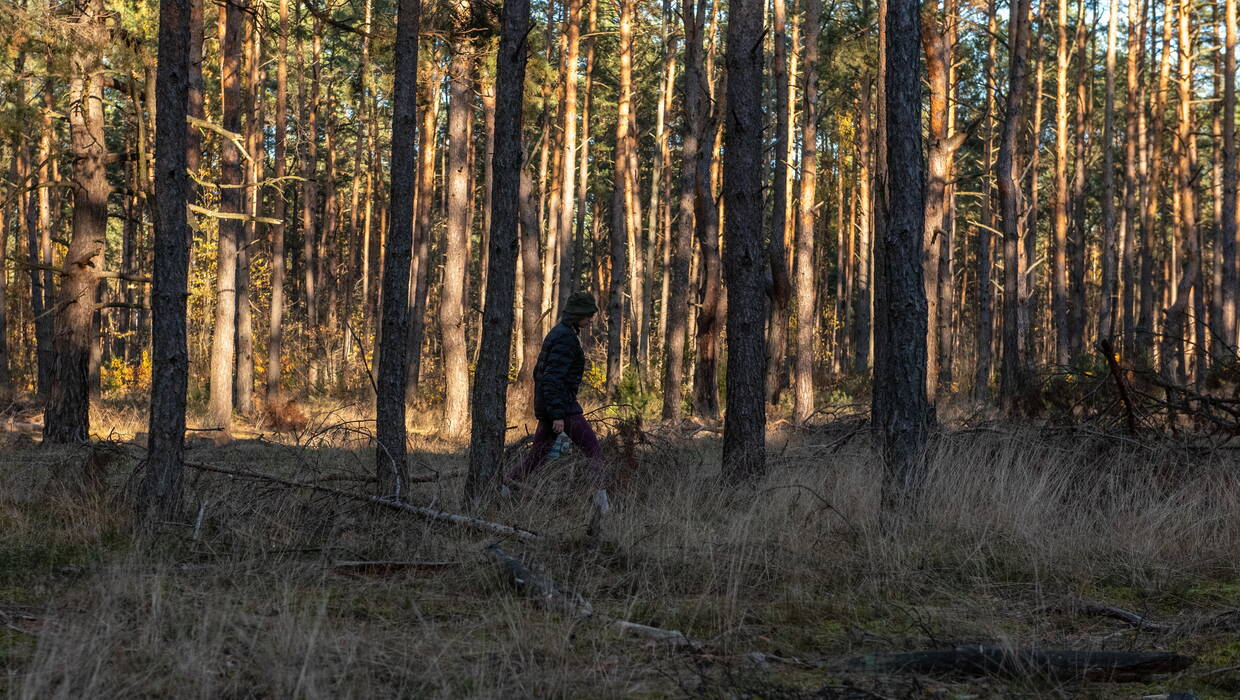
420 511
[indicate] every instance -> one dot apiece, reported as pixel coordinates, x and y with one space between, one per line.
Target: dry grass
1011 521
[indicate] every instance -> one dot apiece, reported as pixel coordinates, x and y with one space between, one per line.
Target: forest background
1073 267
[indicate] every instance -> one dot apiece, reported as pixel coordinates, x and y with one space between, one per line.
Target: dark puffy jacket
558 374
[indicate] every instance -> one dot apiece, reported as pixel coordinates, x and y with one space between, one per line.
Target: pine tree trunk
779 289
900 349
1175 336
682 250
744 429
389 403
161 484
1133 115
1015 371
531 317
861 283
459 202
1226 329
621 226
419 277
275 337
39 250
1146 336
806 297
1059 273
568 193
1109 311
310 202
243 386
985 296
223 345
67 416
491 380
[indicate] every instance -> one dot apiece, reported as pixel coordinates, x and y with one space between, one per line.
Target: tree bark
1015 374
1174 336
223 345
275 337
985 296
744 428
861 291
243 385
491 379
1133 116
161 484
428 138
389 402
682 250
621 226
459 202
568 196
779 287
900 340
67 415
1228 230
1109 311
1059 273
806 296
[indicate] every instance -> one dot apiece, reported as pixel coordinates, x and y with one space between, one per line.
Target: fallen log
385 568
981 660
543 591
420 511
1139 621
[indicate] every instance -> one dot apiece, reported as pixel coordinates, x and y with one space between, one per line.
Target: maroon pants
578 430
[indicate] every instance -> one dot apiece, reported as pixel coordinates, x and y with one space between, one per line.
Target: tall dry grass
799 565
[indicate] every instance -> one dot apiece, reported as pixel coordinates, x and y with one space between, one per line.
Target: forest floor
1020 530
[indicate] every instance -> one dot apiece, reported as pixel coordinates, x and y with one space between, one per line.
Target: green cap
580 304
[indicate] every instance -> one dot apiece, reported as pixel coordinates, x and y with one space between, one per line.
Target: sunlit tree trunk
428 138
569 165
1059 271
309 146
806 297
232 201
275 337
936 40
243 385
861 283
1174 338
459 202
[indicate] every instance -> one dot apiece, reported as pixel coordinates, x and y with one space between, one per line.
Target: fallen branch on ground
1099 609
544 592
383 568
1058 664
420 511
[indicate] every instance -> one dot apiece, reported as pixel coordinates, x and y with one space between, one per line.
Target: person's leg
544 437
580 432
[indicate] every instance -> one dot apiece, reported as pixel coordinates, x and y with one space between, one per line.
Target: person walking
557 376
